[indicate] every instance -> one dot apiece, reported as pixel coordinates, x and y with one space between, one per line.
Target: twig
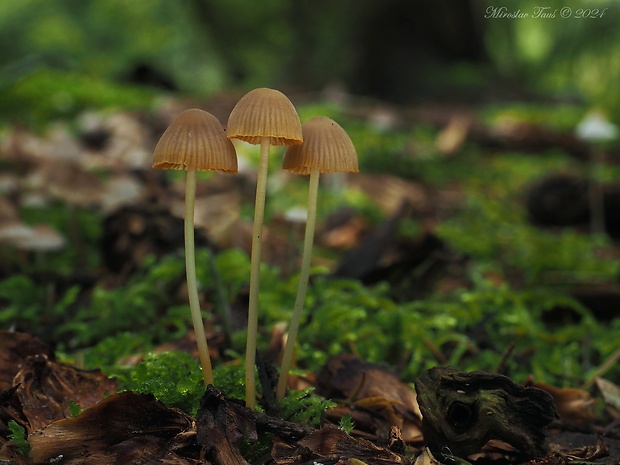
441 358
501 366
604 368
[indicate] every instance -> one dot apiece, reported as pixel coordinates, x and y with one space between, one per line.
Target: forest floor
469 238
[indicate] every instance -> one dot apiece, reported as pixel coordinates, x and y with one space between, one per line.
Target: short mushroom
195 140
41 238
326 148
9 218
266 117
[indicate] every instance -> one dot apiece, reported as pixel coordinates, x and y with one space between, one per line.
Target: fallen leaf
610 393
451 138
375 397
123 428
47 388
15 347
220 425
329 442
574 406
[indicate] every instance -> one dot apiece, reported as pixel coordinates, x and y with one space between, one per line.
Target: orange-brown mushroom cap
195 139
326 147
262 113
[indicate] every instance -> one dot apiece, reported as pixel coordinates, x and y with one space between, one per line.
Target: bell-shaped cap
326 147
265 113
195 139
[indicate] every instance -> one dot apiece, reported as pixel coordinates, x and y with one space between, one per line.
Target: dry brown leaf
330 441
574 406
220 425
610 393
345 236
15 347
389 192
451 138
426 458
377 398
9 454
47 388
123 428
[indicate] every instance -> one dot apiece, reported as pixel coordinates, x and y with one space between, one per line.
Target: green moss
145 306
19 437
106 354
174 378
305 407
230 379
562 117
48 94
232 267
346 423
74 409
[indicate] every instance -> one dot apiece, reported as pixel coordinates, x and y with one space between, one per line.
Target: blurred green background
396 50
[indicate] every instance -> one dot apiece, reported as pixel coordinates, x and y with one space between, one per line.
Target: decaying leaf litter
143 212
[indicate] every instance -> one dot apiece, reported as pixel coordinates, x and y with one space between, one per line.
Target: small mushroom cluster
195 140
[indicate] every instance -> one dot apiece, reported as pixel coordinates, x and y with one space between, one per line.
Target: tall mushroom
266 117
195 140
326 148
596 131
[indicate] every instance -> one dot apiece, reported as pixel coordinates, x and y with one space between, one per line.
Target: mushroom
40 238
195 140
596 131
595 128
326 148
11 228
37 240
266 117
14 231
121 190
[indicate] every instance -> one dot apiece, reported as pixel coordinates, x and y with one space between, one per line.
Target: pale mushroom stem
597 207
257 233
192 286
302 286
